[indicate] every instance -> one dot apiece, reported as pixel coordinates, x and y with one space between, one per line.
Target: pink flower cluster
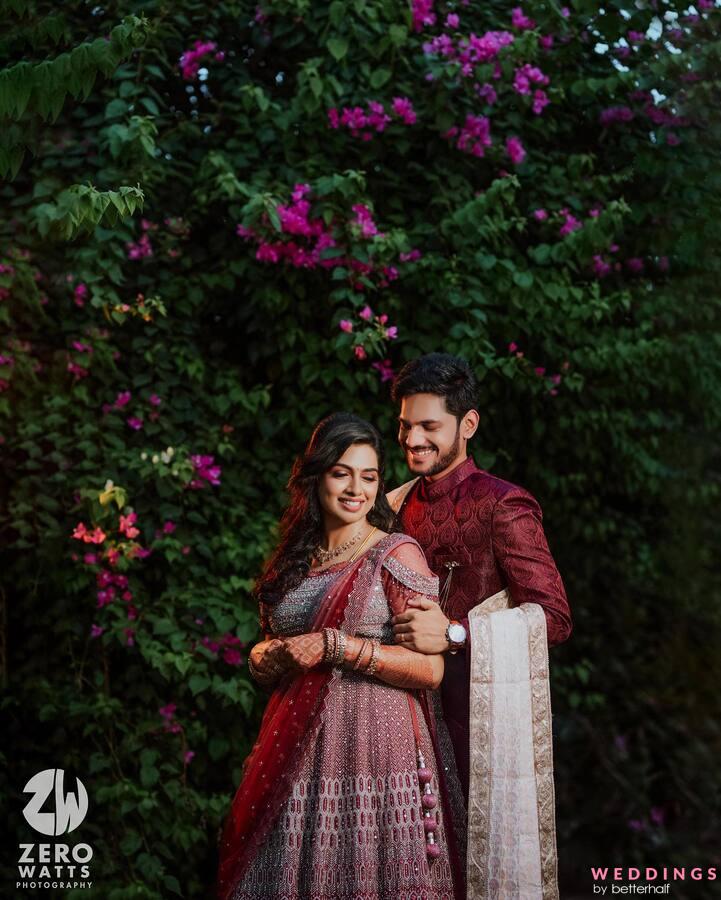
81 533
616 114
364 221
471 51
515 150
570 223
230 645
295 220
110 585
170 723
540 371
363 122
473 137
205 472
423 14
190 60
524 77
140 250
520 20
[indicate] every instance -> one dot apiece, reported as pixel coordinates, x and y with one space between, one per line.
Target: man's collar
437 488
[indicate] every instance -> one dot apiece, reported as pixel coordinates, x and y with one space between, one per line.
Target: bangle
330 637
340 657
375 658
357 663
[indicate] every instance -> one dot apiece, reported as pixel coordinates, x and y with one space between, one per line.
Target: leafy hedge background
223 221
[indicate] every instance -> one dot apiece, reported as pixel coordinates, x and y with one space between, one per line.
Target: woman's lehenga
351 827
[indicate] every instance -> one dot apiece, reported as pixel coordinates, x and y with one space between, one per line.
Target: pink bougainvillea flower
345 325
600 267
527 75
366 313
512 347
616 114
423 14
392 332
206 471
487 92
540 215
555 379
140 250
189 754
96 631
384 369
169 527
154 400
80 294
122 399
452 20
515 150
403 108
127 524
412 256
135 423
190 60
233 657
570 223
360 352
540 101
364 220
168 712
540 370
81 533
520 20
90 559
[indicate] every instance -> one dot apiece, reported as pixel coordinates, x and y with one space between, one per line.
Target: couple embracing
405 751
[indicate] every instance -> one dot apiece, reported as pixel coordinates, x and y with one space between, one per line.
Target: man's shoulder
483 485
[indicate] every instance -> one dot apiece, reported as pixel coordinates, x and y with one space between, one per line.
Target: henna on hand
302 652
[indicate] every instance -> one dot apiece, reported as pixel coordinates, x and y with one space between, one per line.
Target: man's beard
448 458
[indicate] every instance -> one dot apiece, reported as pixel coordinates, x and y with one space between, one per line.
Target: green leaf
380 77
338 47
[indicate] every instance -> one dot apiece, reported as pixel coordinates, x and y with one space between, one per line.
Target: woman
342 795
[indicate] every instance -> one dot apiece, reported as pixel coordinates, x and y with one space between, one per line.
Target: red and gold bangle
375 658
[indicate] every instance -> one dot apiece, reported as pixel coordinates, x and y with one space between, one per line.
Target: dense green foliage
149 342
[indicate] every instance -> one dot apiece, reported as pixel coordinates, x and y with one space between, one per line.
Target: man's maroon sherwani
491 529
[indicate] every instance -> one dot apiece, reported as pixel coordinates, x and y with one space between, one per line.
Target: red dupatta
291 718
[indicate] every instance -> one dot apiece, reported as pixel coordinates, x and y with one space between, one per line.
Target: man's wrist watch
456 636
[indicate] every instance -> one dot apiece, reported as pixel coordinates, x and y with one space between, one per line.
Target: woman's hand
302 652
267 661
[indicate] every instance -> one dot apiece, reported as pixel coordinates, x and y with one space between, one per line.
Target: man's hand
422 628
302 652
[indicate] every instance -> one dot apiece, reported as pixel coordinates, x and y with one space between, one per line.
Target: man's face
429 435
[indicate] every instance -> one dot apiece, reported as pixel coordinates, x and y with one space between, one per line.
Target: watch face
456 633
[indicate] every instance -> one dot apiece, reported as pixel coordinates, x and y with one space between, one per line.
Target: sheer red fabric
289 720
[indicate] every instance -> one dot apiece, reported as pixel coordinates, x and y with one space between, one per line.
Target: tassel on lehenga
429 801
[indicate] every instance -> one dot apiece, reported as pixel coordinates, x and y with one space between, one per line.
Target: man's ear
469 424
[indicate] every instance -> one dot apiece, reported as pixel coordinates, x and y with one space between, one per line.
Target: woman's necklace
324 556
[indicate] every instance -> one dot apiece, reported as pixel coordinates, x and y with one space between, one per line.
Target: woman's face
347 491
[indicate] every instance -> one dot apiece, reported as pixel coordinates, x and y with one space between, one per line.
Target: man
481 535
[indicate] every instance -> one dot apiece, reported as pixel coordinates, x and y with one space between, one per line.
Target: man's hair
442 374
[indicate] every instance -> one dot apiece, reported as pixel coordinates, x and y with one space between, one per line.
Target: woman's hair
449 377
301 525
